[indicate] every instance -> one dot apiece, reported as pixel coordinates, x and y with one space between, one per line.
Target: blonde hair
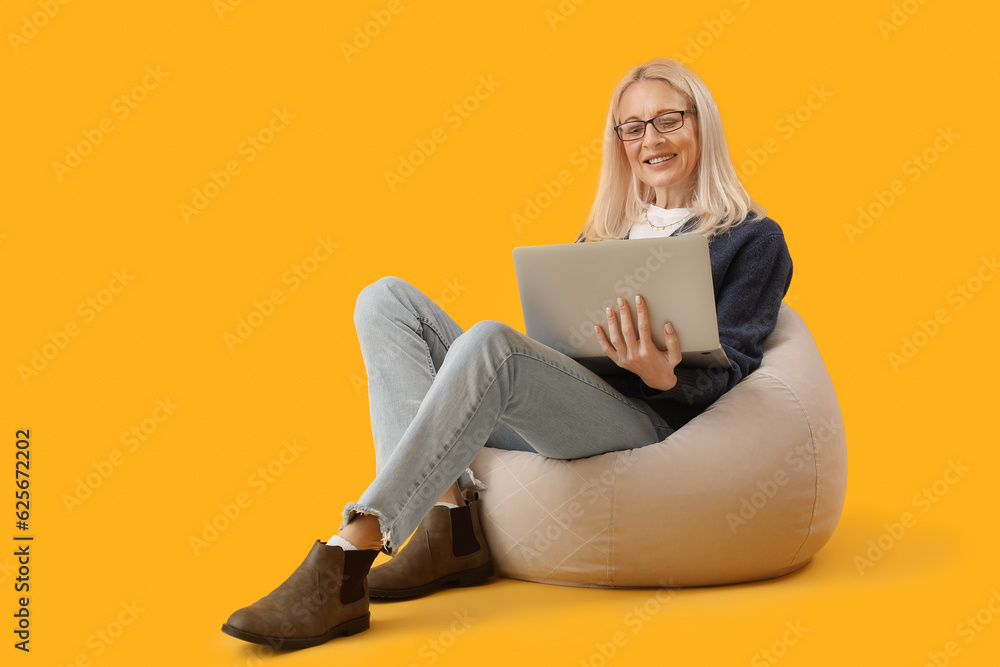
719 200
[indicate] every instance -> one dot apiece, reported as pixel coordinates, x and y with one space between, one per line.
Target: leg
404 337
494 374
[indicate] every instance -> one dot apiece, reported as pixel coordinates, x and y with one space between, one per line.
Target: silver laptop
564 289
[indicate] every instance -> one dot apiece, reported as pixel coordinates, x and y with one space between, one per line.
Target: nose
652 136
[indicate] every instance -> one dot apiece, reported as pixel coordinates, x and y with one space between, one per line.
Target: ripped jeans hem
468 480
353 509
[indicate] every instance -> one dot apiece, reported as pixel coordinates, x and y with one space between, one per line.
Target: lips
658 159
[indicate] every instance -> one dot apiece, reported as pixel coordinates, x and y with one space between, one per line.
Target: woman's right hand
655 367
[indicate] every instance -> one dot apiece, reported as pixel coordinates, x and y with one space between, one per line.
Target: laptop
565 287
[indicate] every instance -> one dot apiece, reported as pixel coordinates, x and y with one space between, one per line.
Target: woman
438 394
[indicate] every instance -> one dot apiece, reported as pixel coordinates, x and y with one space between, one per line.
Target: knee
375 296
490 334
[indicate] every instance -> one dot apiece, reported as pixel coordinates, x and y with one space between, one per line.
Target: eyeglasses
664 123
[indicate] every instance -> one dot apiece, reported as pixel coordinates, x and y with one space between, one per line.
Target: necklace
645 216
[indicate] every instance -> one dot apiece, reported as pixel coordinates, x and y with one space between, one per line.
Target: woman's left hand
641 356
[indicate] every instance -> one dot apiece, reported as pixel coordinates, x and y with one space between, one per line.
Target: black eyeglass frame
646 122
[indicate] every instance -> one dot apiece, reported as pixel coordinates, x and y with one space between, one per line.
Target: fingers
602 339
673 343
614 335
622 338
628 332
620 344
673 346
642 318
610 342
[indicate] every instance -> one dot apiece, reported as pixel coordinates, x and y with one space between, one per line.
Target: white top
669 218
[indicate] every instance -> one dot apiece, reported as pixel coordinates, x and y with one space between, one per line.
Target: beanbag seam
816 465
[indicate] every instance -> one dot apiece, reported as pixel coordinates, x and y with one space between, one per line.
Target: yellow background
448 229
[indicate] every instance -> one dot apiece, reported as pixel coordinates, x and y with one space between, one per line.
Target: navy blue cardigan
751 272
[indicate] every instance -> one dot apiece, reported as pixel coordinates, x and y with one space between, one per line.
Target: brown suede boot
446 549
325 597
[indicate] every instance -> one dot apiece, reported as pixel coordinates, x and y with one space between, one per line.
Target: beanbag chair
750 489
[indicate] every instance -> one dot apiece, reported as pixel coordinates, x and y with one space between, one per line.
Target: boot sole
351 627
464 578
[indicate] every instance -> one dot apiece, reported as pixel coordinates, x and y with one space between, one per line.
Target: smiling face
672 179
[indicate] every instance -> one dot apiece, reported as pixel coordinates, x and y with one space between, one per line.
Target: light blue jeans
438 394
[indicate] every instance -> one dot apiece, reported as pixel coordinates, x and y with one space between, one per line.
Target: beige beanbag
748 490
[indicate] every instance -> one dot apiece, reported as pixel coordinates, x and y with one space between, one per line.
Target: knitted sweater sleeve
754 283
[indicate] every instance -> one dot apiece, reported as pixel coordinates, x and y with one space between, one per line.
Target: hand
654 366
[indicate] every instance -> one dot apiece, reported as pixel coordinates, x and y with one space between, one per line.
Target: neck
672 199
